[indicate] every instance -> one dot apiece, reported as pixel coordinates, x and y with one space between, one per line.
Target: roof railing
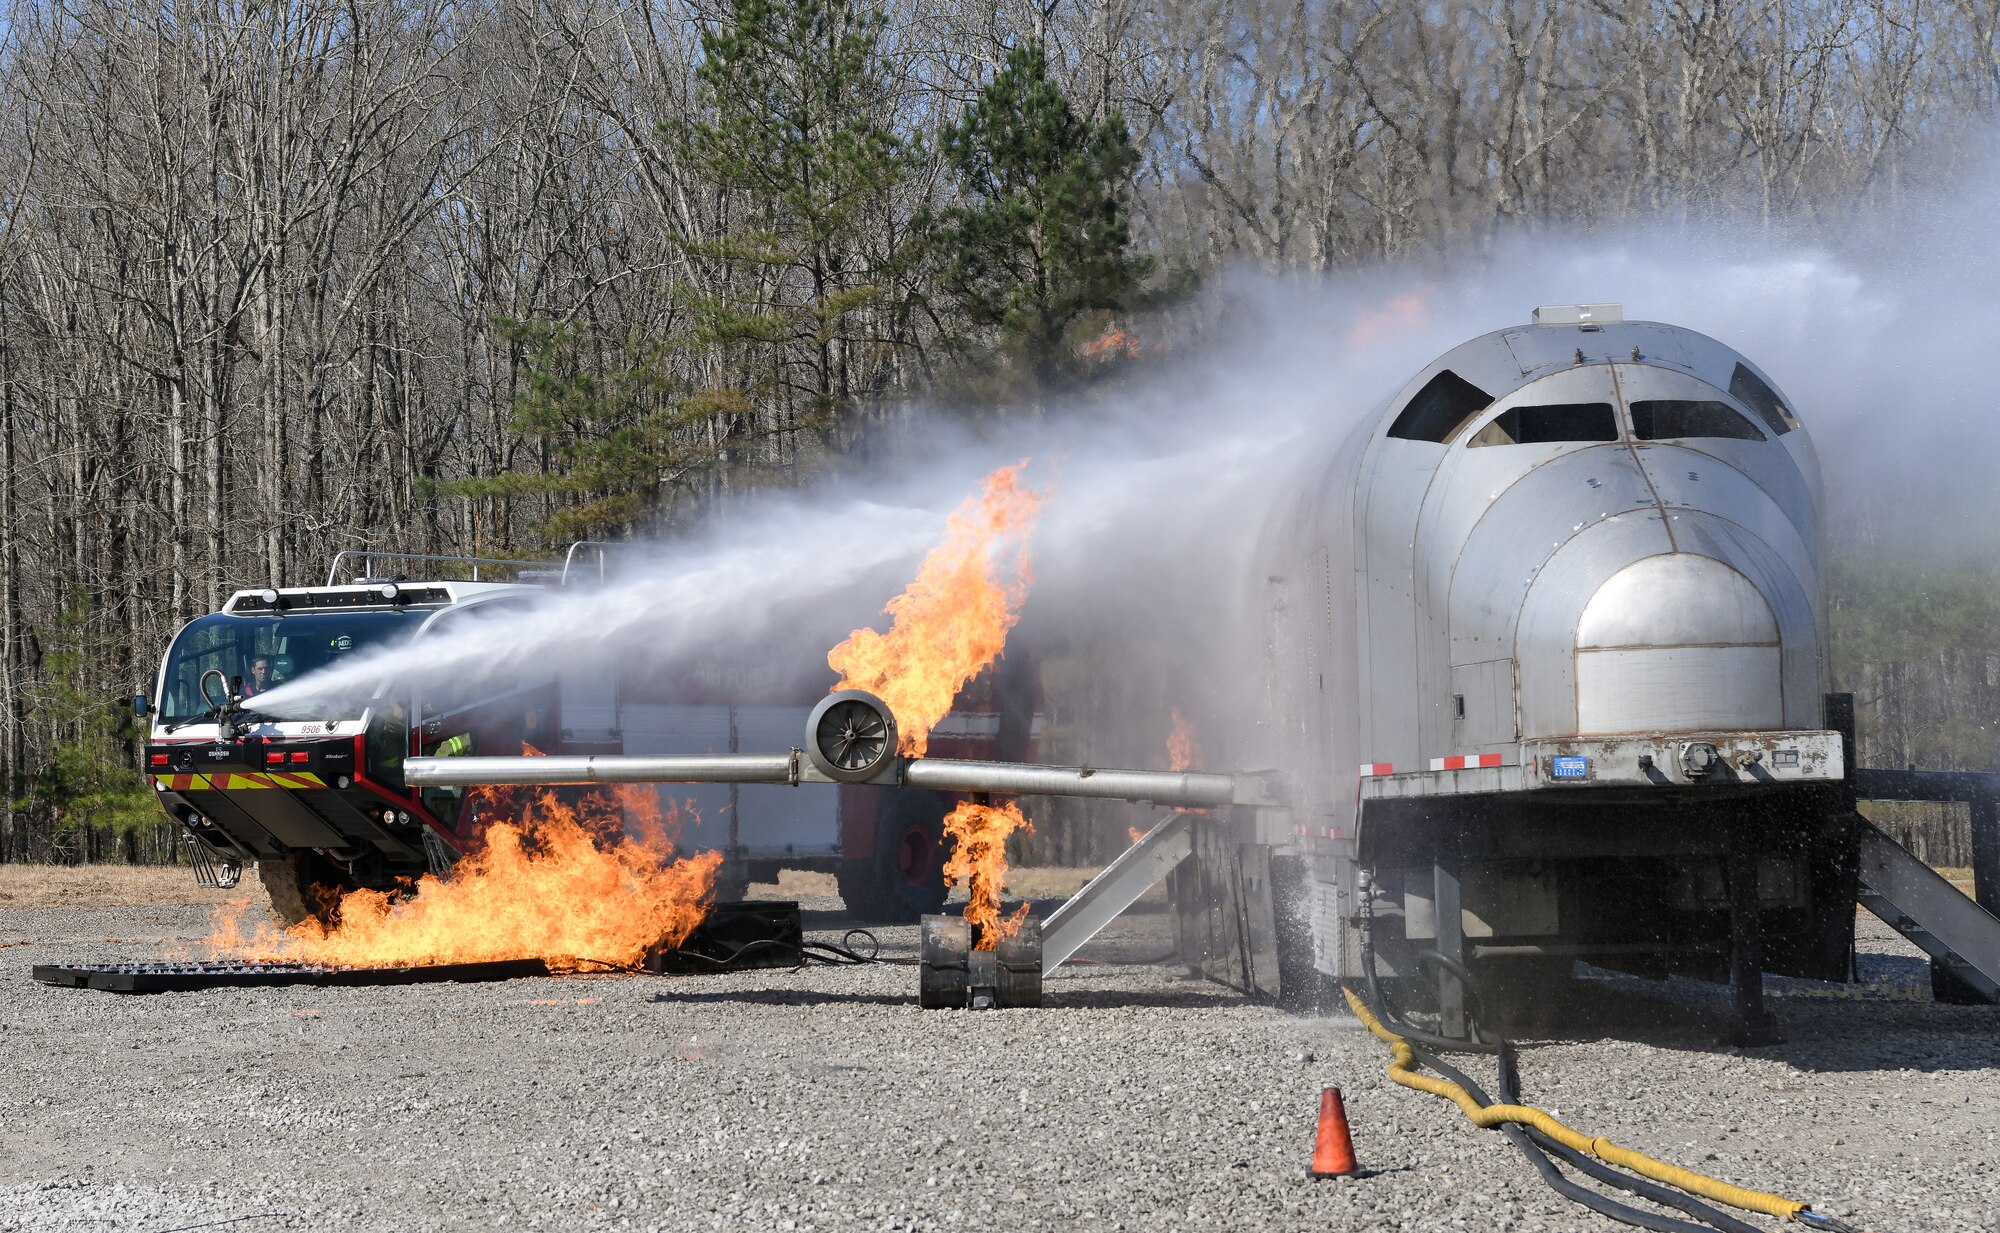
368 557
602 547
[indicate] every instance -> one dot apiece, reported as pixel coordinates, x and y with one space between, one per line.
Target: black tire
303 886
904 880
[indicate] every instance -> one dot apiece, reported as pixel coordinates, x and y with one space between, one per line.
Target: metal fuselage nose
1677 642
1680 603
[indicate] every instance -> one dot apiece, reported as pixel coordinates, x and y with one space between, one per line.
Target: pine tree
792 126
1040 239
616 436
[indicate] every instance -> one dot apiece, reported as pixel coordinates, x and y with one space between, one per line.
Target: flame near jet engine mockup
951 622
949 625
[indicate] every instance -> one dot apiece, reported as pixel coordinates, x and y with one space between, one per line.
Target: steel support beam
1752 1025
1451 944
1986 851
1872 784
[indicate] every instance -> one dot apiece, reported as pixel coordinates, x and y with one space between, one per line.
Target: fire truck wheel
302 885
904 880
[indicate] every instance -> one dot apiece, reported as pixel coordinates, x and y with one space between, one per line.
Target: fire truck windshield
268 651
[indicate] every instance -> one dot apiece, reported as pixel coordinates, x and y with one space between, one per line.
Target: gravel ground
824 1099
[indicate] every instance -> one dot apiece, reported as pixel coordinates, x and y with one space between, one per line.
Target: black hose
1601 1204
1532 1143
838 956
1510 1093
1394 1017
1611 1176
1438 959
803 952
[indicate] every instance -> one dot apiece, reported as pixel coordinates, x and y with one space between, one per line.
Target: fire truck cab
318 804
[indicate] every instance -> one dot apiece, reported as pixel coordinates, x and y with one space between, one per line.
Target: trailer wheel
904 880
303 886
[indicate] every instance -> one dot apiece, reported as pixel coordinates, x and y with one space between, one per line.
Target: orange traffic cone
1333 1153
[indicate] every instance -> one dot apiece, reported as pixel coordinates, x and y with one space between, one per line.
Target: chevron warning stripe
234 782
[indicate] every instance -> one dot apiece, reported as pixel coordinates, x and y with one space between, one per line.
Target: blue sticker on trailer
1569 766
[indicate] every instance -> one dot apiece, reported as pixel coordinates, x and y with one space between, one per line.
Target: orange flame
1182 750
563 884
1113 344
1134 834
1180 743
952 621
1400 314
979 856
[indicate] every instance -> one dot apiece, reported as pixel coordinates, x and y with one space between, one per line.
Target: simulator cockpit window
268 651
1750 389
1560 421
1436 412
1666 419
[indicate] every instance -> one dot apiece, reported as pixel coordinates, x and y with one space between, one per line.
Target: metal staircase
1961 937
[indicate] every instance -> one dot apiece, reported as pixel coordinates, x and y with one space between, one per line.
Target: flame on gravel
979 858
951 622
561 882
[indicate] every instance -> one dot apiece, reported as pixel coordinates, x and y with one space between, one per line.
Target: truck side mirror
140 706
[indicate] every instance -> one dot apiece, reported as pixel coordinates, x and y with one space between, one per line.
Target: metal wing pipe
1027 779
1190 789
781 768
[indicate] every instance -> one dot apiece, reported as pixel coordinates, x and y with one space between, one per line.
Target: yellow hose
1403 1070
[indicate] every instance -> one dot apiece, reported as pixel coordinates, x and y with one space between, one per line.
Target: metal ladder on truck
1960 932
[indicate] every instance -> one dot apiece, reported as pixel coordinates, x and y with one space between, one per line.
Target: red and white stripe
1322 832
1465 762
1371 769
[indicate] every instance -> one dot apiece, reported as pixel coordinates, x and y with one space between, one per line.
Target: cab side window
388 743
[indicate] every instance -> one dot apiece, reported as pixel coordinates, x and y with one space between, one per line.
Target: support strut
1108 894
1752 1024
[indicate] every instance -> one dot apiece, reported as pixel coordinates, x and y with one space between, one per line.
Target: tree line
277 280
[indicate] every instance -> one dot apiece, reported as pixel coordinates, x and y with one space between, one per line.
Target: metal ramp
1135 872
1919 903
